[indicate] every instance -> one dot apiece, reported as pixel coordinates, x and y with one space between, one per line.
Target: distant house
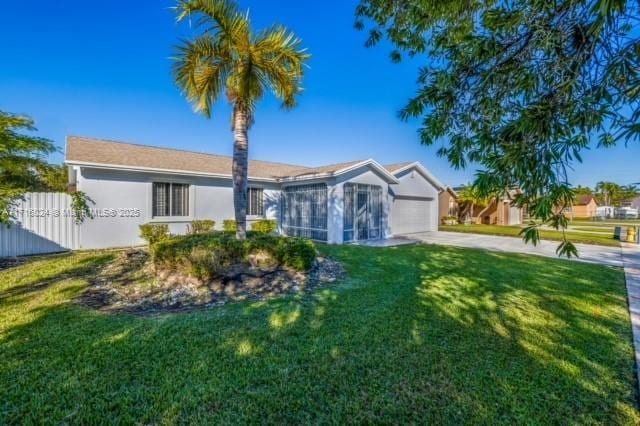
585 207
501 211
448 203
634 203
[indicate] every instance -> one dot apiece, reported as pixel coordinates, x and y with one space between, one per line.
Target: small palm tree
228 57
469 197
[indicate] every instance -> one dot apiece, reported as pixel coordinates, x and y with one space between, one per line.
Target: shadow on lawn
414 333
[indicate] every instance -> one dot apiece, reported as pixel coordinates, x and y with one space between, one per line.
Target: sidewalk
631 258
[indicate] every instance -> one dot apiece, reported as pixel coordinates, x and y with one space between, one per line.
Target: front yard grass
414 333
545 234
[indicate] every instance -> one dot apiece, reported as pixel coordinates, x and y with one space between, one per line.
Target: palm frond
279 56
201 68
227 56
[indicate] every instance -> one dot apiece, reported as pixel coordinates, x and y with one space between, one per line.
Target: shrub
199 255
449 220
229 225
200 227
154 232
297 253
203 263
264 226
205 255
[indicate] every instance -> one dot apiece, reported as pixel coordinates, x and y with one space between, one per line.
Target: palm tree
469 197
228 57
608 192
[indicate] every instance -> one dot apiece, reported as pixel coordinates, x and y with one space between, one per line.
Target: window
304 211
255 199
452 207
170 199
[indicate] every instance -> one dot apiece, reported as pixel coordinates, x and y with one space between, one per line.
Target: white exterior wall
123 203
414 184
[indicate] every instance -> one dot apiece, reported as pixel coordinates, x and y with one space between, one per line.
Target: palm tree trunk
240 170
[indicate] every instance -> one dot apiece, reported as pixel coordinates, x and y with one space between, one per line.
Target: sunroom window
304 211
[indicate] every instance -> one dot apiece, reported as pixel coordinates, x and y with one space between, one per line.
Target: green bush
264 226
200 226
154 232
297 253
229 225
204 256
203 263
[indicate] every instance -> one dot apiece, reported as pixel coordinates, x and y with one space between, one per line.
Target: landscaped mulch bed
131 284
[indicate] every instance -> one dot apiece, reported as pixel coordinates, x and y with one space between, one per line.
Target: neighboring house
448 204
634 203
584 207
501 211
134 184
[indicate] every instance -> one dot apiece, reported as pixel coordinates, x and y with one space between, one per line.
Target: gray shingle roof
113 153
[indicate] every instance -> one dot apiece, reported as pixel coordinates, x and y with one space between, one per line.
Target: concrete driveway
611 256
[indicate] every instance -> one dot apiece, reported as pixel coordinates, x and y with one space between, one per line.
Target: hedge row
205 256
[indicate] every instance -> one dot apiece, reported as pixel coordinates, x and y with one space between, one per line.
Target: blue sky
102 69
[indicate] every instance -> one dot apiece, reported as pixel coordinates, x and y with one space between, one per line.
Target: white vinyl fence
43 223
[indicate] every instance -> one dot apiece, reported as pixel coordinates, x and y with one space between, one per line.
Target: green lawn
416 333
513 231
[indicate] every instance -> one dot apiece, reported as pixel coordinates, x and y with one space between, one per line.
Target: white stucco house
134 184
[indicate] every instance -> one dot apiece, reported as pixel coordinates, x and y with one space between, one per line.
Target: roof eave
375 165
159 170
423 170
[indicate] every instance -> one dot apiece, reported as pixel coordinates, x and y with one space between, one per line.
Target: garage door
411 215
514 216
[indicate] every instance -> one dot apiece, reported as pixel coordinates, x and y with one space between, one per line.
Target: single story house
132 184
501 211
584 207
634 203
448 204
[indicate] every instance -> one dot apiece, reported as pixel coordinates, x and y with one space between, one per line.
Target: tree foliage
582 190
22 160
24 168
229 58
22 156
519 87
613 194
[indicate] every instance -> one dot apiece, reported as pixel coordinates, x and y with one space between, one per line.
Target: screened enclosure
304 211
362 212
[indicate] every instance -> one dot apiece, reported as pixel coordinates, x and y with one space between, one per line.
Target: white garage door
410 215
514 216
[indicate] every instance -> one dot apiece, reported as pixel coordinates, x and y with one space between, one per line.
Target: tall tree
582 190
22 160
628 192
608 192
228 57
519 87
470 197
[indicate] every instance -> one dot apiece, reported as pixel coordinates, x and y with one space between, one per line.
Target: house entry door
362 215
362 212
